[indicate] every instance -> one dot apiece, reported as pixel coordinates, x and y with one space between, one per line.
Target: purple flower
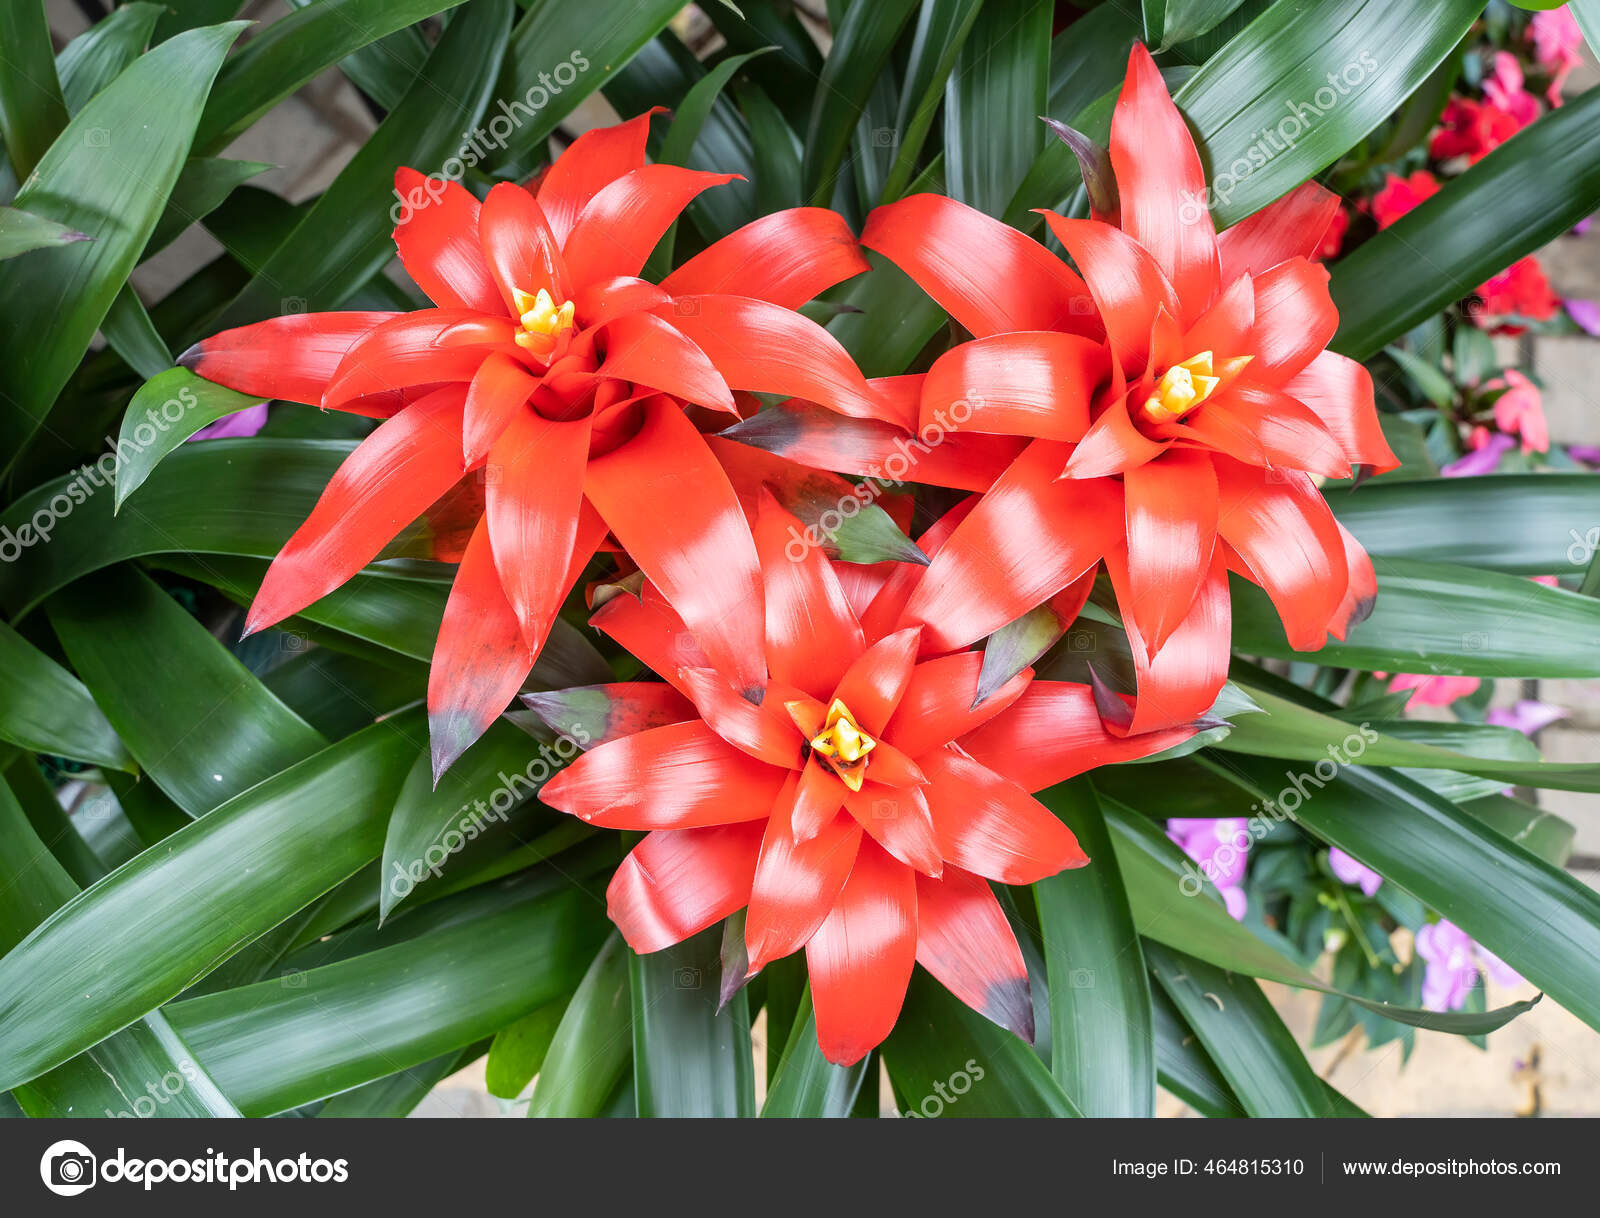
1483 460
1454 963
1527 716
1218 846
244 422
1585 312
1349 871
1589 454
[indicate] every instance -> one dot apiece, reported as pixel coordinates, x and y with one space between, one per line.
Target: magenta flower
1218 847
1454 964
1487 449
1504 86
1557 47
1527 716
1348 871
246 422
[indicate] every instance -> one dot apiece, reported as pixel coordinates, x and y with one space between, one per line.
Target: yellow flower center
1181 388
843 746
543 321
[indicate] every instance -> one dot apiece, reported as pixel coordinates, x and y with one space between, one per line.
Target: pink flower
1399 195
1348 871
1557 47
1432 691
1454 966
1219 846
1504 88
1527 716
1519 411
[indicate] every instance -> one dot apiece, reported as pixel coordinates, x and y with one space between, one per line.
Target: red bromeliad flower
856 804
1178 448
549 364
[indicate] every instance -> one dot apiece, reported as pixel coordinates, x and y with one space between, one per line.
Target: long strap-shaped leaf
108 175
200 723
45 709
1539 919
1101 1049
359 1019
1173 904
1243 1035
689 1059
138 937
808 1084
1526 192
593 1044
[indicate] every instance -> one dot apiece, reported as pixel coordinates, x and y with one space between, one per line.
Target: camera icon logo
68 1168
686 979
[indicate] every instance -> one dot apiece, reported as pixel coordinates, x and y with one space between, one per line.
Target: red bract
549 364
857 803
1178 448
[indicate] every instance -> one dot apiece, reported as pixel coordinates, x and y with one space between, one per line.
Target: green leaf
1300 733
942 29
1184 1068
148 432
294 49
1537 918
96 57
21 231
1543 834
31 109
1242 100
1000 86
578 47
1520 524
1173 904
144 1066
397 1094
45 709
109 176
861 47
1438 618
203 186
1169 22
257 492
689 1059
146 1070
1099 994
148 930
162 678
1521 196
385 68
947 1060
806 1083
358 1019
129 332
593 1044
518 1050
347 236
431 823
1243 1036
